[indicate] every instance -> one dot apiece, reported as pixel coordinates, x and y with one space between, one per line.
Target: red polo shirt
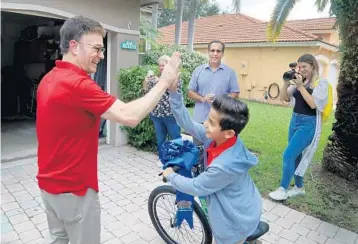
214 151
69 106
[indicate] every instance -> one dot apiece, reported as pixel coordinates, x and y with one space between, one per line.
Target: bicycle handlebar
175 169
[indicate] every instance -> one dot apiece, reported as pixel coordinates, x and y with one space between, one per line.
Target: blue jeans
165 126
300 135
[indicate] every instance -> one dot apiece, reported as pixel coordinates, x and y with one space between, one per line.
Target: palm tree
191 20
152 36
191 25
341 153
178 21
236 5
170 4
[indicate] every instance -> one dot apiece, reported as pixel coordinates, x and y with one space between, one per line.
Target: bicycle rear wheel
162 210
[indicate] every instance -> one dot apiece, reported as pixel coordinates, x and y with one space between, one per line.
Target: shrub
130 85
185 77
190 60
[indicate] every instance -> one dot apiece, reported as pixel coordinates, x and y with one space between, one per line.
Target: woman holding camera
162 116
310 95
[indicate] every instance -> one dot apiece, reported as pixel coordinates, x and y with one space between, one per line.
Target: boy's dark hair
235 114
217 41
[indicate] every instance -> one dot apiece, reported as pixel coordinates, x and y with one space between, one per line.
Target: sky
262 9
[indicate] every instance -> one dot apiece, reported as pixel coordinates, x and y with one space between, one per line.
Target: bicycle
199 212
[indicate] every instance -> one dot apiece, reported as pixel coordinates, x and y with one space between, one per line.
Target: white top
320 96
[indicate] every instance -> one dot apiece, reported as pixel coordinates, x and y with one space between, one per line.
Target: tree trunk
178 21
191 25
341 153
154 22
237 6
155 16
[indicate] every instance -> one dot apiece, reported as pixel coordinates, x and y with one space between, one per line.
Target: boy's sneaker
279 195
295 191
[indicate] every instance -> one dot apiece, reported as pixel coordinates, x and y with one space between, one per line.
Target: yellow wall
331 56
326 37
264 66
332 38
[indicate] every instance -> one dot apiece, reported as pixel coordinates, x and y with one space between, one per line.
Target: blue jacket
234 203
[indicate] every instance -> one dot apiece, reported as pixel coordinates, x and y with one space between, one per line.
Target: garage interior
29 49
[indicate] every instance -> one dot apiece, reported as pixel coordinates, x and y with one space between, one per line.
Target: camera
291 74
150 74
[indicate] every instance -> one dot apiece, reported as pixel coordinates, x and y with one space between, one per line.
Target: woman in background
304 132
162 116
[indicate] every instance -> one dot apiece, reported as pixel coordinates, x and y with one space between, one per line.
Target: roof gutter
278 44
320 31
144 3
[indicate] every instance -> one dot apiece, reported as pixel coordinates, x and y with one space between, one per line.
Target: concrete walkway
127 177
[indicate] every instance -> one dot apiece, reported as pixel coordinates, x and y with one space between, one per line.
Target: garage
30 47
121 20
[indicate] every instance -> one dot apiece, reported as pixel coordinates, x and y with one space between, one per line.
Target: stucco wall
326 37
117 13
332 38
264 66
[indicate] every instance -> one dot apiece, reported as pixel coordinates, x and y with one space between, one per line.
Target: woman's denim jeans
165 126
300 135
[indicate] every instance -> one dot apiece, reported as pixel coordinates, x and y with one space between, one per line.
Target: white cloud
262 9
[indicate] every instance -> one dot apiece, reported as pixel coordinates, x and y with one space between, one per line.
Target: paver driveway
127 177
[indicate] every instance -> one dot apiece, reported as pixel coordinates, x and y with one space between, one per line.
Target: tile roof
233 28
313 24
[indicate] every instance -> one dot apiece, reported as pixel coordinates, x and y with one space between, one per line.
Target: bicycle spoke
190 232
165 210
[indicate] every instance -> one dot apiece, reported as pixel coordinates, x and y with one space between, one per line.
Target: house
30 42
260 64
321 27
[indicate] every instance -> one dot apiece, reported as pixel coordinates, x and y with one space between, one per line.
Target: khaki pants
71 218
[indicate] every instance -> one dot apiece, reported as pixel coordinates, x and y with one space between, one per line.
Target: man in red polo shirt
69 107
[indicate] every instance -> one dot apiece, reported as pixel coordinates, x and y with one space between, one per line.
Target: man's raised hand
171 71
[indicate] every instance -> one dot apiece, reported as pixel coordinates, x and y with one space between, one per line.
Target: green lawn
327 197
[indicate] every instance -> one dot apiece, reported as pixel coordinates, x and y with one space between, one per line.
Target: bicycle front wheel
162 211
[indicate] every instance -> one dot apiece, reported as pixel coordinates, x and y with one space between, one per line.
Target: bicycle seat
261 229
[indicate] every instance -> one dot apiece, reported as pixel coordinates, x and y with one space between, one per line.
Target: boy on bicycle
234 203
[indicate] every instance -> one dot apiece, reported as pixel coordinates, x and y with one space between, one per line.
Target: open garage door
30 47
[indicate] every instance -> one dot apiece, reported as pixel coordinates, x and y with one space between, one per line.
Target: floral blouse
163 107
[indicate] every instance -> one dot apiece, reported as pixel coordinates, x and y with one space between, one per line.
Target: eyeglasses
215 50
98 49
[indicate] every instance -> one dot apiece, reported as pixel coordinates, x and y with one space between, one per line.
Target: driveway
127 177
